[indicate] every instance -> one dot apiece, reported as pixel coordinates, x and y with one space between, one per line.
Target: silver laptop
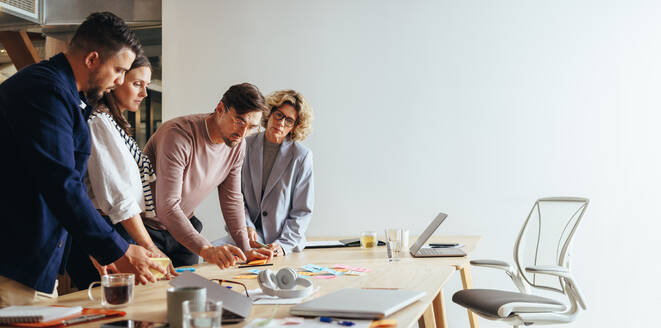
236 306
418 249
358 303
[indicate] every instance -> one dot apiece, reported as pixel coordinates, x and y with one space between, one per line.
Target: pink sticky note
342 266
324 277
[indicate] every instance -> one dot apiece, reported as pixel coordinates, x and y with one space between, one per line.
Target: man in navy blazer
46 143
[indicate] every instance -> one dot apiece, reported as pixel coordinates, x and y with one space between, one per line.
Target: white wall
472 107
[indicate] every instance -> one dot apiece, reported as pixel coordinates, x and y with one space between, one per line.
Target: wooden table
426 274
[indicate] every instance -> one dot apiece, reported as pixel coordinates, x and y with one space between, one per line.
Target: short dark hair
244 98
106 34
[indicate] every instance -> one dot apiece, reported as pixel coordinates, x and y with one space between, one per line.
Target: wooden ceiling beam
19 48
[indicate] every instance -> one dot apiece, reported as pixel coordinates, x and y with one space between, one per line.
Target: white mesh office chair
541 255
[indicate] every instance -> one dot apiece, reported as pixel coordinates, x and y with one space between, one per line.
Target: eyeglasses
221 281
241 124
289 122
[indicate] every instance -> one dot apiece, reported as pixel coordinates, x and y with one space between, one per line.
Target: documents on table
258 297
324 243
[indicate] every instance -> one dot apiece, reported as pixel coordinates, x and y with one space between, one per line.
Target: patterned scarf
147 174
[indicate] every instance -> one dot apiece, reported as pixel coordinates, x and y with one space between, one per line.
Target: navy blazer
46 143
286 206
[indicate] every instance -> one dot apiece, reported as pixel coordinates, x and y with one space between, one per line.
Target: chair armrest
494 264
509 270
564 274
553 270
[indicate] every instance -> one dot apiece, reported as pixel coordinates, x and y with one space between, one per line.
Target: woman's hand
103 269
277 249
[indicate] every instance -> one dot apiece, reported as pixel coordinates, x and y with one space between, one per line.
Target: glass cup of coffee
116 289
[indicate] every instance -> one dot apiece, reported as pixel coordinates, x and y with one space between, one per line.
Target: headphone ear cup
286 278
267 278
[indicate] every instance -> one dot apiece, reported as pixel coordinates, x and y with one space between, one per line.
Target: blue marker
341 322
185 270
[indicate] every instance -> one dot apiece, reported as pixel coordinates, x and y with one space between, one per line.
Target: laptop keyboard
430 251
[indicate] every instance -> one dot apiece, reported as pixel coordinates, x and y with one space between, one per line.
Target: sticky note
383 323
257 262
245 276
163 262
324 277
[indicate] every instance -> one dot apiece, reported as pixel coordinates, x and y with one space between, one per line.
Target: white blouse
112 179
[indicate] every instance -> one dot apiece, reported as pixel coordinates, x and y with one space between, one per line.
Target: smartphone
444 245
134 324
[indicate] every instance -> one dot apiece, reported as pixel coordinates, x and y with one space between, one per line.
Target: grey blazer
286 206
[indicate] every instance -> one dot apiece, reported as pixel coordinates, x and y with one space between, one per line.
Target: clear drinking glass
202 314
368 239
116 289
393 244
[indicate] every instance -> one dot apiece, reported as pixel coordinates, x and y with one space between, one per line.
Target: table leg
427 318
467 282
439 310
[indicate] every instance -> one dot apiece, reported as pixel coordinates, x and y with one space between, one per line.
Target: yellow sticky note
163 262
245 276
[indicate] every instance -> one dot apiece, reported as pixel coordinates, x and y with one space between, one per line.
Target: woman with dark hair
118 174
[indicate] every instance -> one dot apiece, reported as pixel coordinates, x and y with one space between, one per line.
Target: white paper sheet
258 297
321 243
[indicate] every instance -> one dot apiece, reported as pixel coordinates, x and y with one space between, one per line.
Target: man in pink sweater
193 155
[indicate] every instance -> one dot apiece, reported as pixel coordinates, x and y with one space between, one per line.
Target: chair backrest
546 236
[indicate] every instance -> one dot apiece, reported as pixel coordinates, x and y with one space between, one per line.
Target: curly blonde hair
279 98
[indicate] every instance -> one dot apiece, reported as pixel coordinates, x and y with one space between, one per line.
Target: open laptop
236 306
358 303
417 250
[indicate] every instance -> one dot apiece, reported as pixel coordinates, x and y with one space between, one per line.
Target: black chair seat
490 301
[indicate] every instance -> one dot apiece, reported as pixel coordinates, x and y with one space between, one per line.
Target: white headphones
283 283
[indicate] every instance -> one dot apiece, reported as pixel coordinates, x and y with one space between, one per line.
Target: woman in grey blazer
277 181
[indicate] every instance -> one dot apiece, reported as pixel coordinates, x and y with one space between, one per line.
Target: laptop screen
428 232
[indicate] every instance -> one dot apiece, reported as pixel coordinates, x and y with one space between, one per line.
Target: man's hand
222 256
277 249
156 252
136 260
259 254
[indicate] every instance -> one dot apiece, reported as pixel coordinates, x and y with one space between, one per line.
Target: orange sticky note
246 276
257 262
383 323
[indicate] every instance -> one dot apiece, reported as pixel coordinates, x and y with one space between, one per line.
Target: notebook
358 303
24 314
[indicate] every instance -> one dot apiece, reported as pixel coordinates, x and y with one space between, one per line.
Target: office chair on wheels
541 255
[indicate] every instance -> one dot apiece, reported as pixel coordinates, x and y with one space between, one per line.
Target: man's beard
231 143
95 93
